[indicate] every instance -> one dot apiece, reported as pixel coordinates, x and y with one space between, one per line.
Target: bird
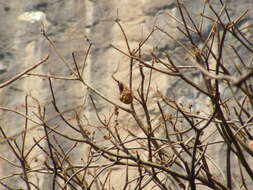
126 94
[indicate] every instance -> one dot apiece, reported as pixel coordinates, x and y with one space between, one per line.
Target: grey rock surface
67 23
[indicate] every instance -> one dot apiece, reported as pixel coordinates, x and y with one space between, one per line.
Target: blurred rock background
67 22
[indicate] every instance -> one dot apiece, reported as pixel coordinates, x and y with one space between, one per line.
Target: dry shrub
163 154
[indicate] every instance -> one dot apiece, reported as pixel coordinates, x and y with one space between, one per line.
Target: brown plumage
126 95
